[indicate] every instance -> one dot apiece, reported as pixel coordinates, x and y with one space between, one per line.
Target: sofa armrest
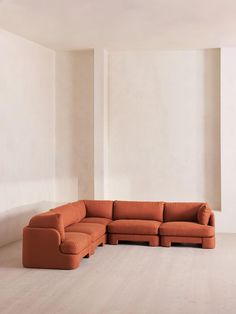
212 219
49 220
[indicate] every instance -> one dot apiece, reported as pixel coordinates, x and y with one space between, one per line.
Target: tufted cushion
138 210
75 242
93 229
186 229
131 226
48 220
101 209
203 214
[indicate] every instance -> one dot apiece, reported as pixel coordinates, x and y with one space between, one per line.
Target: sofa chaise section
188 223
136 221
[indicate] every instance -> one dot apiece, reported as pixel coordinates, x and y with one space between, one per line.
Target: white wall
226 219
145 125
66 123
74 162
46 130
26 132
163 126
85 138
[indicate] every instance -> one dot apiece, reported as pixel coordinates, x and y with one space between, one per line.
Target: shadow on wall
13 220
212 128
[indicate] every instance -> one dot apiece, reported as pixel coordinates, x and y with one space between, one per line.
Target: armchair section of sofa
188 223
47 245
136 221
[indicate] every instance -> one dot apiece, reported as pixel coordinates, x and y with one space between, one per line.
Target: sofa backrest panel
69 214
181 211
138 210
79 206
99 208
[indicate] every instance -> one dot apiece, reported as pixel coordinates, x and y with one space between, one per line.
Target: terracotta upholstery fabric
138 210
68 213
99 208
130 226
212 220
181 211
41 249
152 240
203 214
98 220
48 220
207 243
186 229
61 237
75 242
93 229
80 208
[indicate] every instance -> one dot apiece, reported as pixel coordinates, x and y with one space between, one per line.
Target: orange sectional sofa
61 237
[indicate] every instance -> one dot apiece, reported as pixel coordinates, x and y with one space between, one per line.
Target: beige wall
46 132
26 132
66 127
130 125
163 126
85 122
226 219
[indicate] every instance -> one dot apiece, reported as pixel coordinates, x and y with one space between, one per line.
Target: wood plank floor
127 279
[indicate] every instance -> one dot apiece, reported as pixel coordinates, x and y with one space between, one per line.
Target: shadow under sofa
61 237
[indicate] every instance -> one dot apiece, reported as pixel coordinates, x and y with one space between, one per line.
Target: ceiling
122 24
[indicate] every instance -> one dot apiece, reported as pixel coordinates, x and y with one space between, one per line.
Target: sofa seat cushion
97 220
93 229
132 226
75 242
186 229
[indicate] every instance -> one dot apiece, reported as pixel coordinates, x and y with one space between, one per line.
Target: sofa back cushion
69 214
181 211
79 206
48 220
203 214
138 210
99 208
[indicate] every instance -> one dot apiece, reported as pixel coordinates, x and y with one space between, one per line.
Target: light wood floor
127 279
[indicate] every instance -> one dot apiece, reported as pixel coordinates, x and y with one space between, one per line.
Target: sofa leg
92 251
102 243
165 242
208 243
154 242
112 240
88 255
